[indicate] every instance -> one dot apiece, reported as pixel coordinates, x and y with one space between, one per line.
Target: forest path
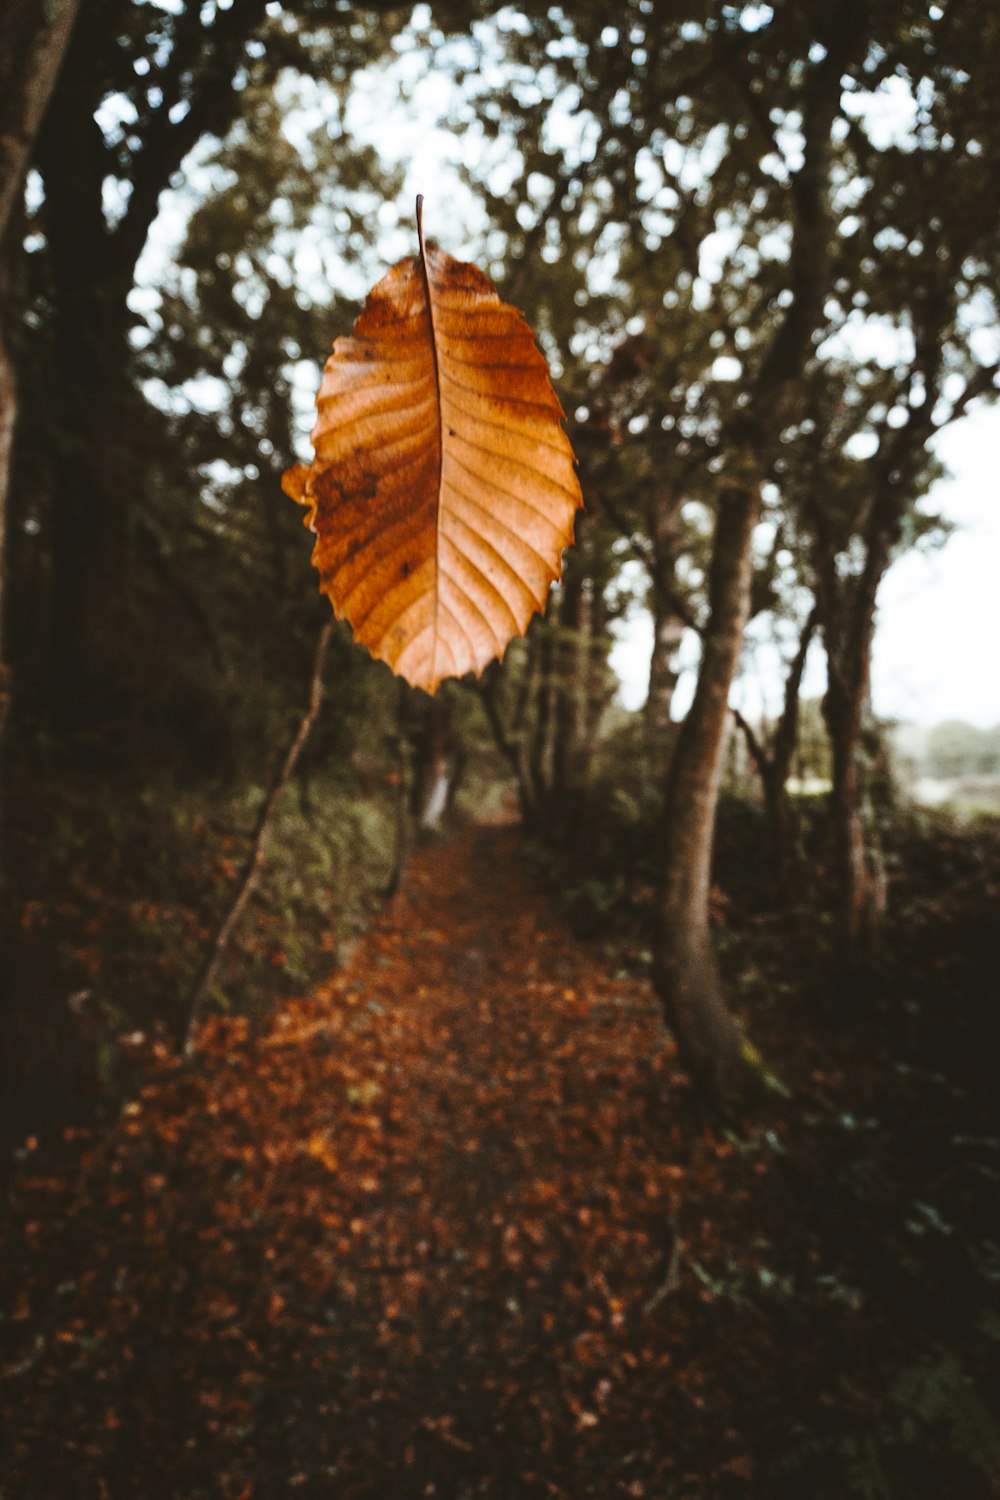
416 1239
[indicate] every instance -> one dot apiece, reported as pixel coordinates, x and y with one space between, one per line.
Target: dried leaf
443 488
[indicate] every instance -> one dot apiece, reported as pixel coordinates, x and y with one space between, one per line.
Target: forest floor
454 1226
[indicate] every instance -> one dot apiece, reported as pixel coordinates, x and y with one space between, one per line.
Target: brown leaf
443 488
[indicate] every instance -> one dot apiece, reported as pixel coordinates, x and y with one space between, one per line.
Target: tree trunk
686 973
540 750
847 612
780 825
435 764
8 420
782 821
401 825
856 890
600 684
89 566
668 626
569 691
89 556
668 631
514 745
773 776
774 766
33 41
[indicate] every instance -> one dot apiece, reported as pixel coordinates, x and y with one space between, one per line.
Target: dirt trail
417 1239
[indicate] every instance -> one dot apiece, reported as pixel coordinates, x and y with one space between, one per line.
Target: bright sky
939 626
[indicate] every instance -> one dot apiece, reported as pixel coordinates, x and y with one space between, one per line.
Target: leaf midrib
425 275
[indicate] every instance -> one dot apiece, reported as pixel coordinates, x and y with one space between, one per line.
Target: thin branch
788 725
255 859
757 751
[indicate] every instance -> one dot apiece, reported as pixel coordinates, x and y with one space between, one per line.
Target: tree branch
757 751
255 859
787 730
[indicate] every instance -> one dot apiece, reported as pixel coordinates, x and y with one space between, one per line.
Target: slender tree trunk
783 822
777 811
780 825
668 626
847 612
434 765
401 831
856 890
853 886
513 744
569 693
597 694
540 750
668 631
774 766
686 973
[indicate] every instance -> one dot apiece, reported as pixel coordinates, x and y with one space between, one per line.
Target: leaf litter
442 1228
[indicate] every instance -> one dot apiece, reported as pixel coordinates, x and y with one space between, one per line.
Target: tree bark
709 1039
513 742
8 421
540 749
857 891
90 392
847 619
774 765
435 764
33 40
401 822
668 623
776 807
668 631
569 693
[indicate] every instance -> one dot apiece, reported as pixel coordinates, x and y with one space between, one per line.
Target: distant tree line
955 749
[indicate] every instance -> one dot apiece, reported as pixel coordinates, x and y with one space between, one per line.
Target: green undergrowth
119 891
